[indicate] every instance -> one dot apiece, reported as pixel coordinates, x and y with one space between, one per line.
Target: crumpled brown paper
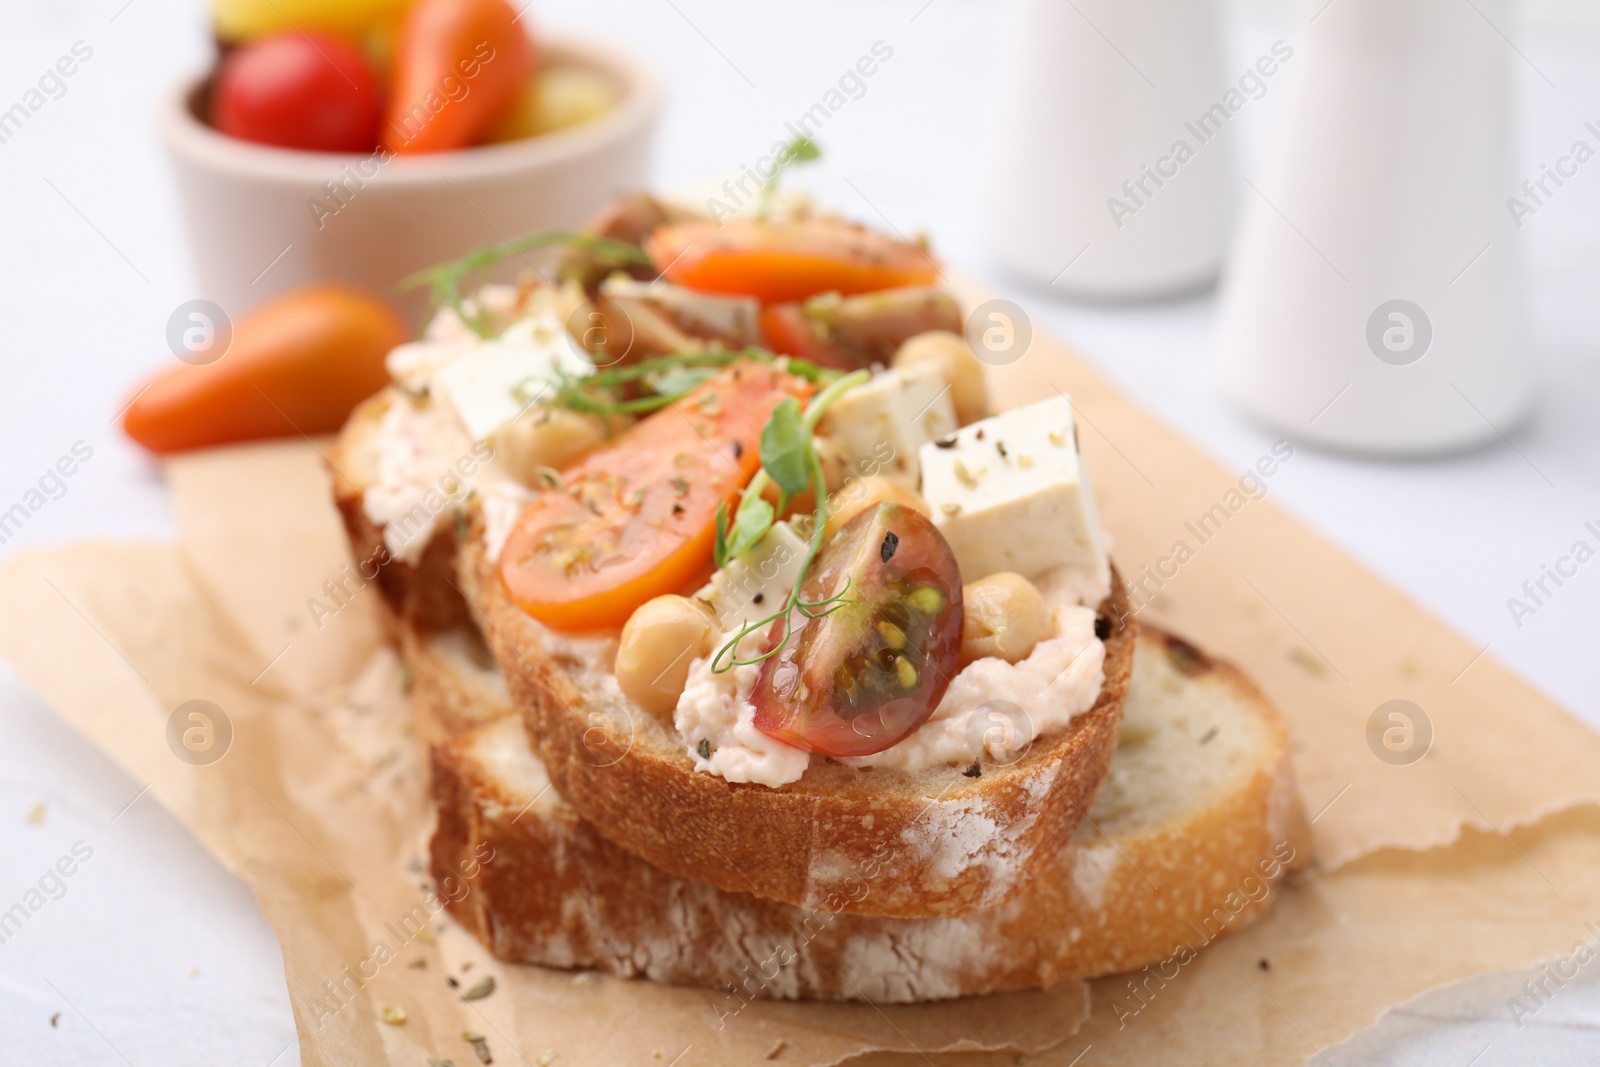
319 804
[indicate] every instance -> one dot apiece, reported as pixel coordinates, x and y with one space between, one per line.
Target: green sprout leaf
800 150
677 381
785 442
750 524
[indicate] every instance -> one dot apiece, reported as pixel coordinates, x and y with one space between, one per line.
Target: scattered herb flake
704 748
55 1019
480 1045
946 442
891 541
1206 737
974 771
482 988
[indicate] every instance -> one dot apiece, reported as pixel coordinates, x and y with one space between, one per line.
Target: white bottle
1375 299
1087 193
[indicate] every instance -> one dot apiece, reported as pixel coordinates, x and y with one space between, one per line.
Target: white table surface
155 955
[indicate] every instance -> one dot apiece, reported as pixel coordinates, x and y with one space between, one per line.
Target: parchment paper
319 803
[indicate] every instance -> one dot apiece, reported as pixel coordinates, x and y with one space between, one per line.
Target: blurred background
94 259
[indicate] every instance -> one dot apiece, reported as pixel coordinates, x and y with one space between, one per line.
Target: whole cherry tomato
298 90
862 676
461 68
296 365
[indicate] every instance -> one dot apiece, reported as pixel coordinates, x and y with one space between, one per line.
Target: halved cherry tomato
789 261
858 331
310 91
637 518
862 677
461 66
296 365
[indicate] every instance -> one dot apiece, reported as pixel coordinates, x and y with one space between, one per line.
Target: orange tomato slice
789 261
637 518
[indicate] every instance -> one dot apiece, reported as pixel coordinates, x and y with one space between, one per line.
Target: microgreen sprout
787 448
654 383
446 280
800 150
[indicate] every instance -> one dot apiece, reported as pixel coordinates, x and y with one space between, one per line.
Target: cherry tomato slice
862 677
782 262
637 518
309 91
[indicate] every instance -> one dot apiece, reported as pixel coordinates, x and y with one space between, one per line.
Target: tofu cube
757 583
878 427
1010 493
491 382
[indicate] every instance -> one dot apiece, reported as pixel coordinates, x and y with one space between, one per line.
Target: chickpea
661 639
859 494
949 352
544 437
1005 616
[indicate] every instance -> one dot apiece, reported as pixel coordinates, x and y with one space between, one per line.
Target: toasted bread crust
421 594
556 892
866 842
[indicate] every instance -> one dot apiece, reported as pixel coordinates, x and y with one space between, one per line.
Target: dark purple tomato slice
863 676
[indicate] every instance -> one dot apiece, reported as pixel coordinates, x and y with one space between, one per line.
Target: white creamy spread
1059 680
428 463
717 708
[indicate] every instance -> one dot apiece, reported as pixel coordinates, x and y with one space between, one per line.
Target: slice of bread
1198 819
421 594
933 842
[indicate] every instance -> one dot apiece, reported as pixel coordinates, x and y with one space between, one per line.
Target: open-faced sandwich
791 625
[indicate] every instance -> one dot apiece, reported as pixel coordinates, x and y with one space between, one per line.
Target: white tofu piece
1011 493
482 382
879 426
757 583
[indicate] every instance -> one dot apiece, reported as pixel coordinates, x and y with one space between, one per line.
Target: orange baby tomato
296 365
460 69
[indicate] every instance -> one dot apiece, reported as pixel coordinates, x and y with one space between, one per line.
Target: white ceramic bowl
256 228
